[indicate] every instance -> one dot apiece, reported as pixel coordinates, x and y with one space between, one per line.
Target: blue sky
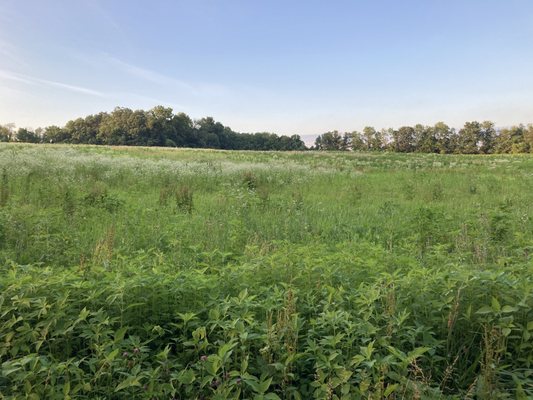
301 67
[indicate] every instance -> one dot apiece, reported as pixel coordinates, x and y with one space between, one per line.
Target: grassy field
151 273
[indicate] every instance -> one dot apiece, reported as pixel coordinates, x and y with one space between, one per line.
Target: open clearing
194 274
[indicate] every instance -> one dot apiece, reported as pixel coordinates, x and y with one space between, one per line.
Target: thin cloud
73 88
164 80
6 75
30 80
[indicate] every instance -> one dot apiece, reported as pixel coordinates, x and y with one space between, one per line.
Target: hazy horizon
290 68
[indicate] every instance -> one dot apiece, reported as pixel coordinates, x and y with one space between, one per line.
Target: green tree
487 137
469 138
55 134
357 141
528 138
208 133
84 130
161 131
404 139
6 132
373 139
27 136
425 139
124 127
512 140
444 138
330 141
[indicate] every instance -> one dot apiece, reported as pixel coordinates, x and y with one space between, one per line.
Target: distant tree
444 138
468 138
6 132
425 139
208 133
55 134
404 139
297 143
160 131
330 141
27 136
347 139
512 140
84 130
357 141
487 137
183 130
124 127
528 138
373 139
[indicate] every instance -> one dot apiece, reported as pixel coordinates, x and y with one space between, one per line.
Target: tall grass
158 273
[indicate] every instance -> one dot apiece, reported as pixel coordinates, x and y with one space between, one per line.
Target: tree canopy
473 138
159 126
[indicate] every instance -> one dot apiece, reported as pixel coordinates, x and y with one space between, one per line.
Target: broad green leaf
186 377
495 304
390 389
509 309
119 334
128 382
485 310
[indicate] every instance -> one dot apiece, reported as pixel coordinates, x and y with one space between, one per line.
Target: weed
184 199
4 188
295 278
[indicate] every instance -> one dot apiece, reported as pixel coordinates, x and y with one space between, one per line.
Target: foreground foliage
150 273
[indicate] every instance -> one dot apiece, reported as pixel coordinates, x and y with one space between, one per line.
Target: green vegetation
153 273
161 127
156 127
473 138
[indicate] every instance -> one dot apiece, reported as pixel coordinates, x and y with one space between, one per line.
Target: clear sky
288 67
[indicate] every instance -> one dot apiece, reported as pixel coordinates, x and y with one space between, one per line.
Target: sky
289 67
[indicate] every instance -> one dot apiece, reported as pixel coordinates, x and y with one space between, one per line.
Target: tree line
160 126
473 138
156 127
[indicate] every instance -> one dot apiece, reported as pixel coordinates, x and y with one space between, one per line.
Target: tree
512 140
6 132
372 138
329 141
124 127
528 138
54 134
425 139
208 133
404 139
357 141
347 141
27 136
160 128
84 130
182 132
444 138
469 138
487 137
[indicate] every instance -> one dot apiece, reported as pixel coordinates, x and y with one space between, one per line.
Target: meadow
160 273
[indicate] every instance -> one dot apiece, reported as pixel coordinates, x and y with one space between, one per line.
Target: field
151 273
